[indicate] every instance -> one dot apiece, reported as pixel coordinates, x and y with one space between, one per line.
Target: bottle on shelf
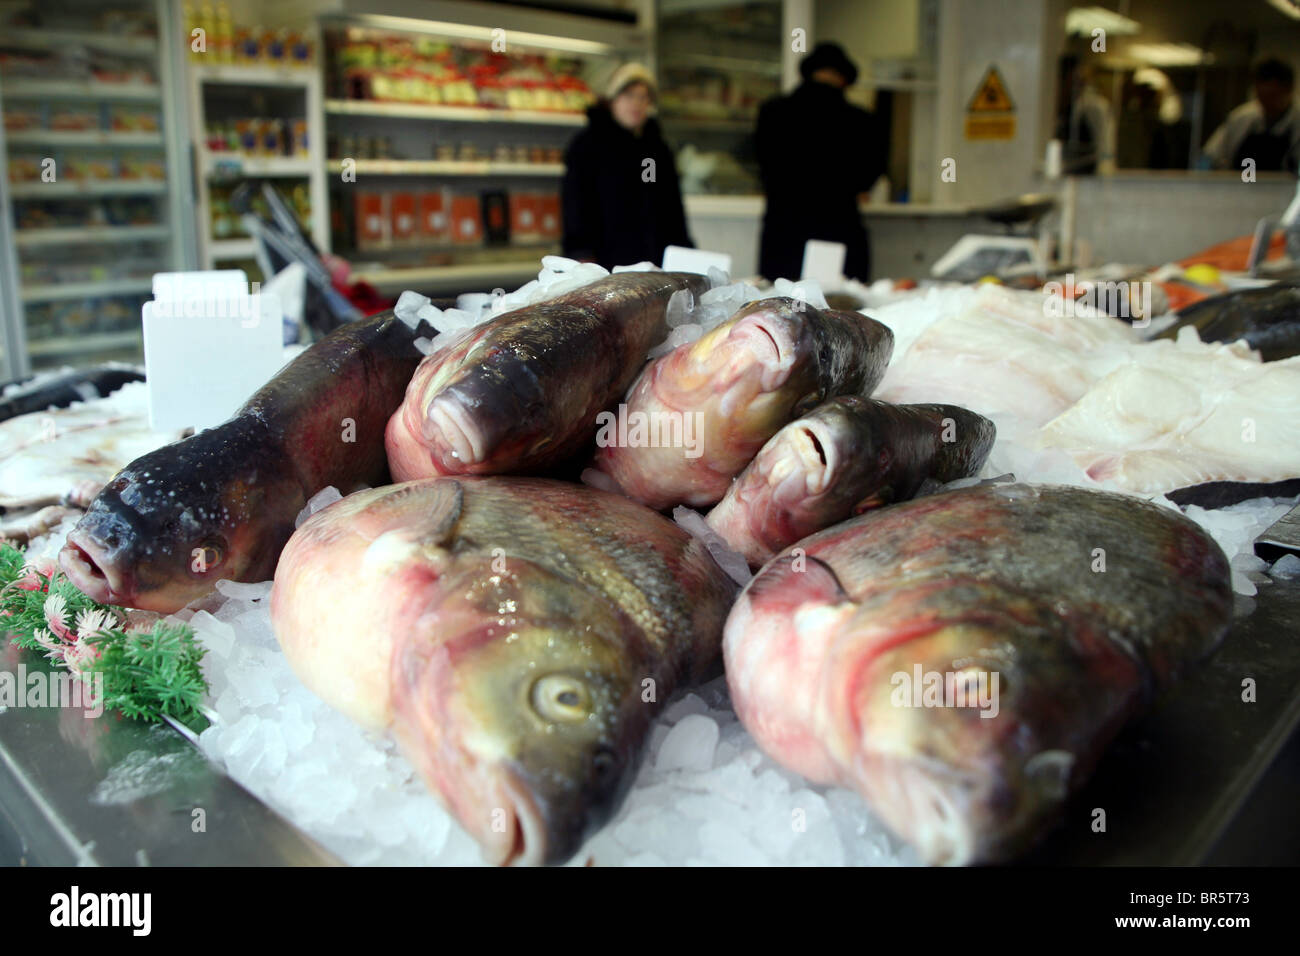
207 22
225 34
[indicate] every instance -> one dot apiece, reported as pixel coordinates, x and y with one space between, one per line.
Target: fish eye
204 558
560 698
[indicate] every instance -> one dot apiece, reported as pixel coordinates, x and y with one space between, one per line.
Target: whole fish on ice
845 457
521 392
222 503
518 634
963 660
1268 318
732 390
61 389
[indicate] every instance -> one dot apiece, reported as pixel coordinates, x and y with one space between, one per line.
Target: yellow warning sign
991 114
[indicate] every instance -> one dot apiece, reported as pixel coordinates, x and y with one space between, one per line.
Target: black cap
829 55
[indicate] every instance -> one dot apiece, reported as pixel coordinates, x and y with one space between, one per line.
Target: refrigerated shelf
78 90
75 189
80 137
459 114
82 290
64 235
43 39
444 167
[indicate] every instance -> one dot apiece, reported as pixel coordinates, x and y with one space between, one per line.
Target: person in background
620 209
817 153
1267 129
1086 128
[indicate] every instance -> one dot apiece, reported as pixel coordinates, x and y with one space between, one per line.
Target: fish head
806 460
766 349
958 742
532 702
167 527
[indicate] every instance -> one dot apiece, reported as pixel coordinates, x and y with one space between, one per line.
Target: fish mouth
805 465
447 424
524 842
771 343
86 564
816 451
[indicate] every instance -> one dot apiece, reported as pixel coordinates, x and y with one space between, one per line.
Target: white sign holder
208 346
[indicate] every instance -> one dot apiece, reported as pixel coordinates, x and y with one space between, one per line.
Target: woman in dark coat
622 198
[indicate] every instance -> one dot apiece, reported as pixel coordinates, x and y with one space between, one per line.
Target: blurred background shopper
817 153
618 208
1266 129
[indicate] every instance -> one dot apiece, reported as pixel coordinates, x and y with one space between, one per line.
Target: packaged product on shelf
273 47
272 138
300 48
25 168
299 135
74 317
248 133
466 219
371 218
118 314
434 221
40 321
133 119
137 166
19 116
74 117
496 216
402 212
524 226
548 206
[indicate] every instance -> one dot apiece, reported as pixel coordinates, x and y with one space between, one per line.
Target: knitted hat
626 75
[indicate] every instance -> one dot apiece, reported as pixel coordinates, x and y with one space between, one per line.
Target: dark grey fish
1268 318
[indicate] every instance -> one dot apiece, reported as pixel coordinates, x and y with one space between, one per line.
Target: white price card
681 259
208 346
824 262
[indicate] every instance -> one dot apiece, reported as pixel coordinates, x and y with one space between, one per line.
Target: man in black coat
816 153
622 199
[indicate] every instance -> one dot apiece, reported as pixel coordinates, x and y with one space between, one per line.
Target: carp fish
732 390
962 660
522 392
517 634
222 503
846 456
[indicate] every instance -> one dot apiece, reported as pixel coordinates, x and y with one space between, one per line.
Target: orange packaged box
372 219
524 223
402 207
466 220
434 222
549 216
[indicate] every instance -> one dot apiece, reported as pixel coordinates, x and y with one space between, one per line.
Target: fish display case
93 199
446 144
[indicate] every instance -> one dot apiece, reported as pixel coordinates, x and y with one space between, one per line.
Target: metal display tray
116 792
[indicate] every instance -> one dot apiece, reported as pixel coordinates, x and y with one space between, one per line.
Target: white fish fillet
1079 399
1182 415
1000 352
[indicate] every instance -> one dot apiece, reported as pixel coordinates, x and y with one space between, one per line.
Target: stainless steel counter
120 793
